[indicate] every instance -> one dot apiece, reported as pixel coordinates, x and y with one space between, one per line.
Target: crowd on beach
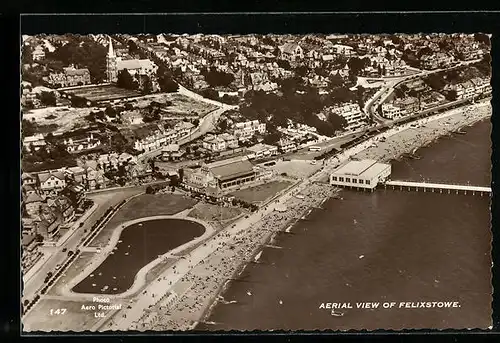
205 281
424 132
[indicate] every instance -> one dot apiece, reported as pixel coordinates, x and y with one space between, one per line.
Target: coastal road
104 201
130 317
381 96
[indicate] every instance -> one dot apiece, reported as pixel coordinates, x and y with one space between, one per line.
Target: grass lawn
210 213
262 192
73 270
144 205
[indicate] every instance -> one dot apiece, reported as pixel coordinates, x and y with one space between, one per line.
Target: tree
335 80
28 128
482 38
132 47
147 87
181 174
167 84
218 78
149 190
125 80
451 95
355 65
338 122
77 101
48 98
223 124
27 55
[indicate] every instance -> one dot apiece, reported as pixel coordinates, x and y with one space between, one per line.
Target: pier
437 187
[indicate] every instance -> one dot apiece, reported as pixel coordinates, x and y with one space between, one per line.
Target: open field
181 104
261 192
73 270
102 93
144 205
61 119
297 168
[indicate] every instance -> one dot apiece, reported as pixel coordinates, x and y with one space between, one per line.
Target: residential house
51 182
389 111
77 174
214 143
70 77
245 130
409 104
49 225
28 179
261 151
76 144
286 145
75 193
435 61
36 142
292 52
351 112
32 204
171 152
38 53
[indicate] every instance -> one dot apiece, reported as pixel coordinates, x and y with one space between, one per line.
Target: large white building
364 174
352 114
245 130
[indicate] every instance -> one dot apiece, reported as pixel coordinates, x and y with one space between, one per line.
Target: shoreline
200 281
268 239
463 118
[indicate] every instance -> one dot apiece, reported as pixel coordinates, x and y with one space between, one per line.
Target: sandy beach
187 292
406 138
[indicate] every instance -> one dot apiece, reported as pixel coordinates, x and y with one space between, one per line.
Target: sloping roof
289 48
73 71
27 239
45 176
260 147
232 170
25 176
33 197
134 64
170 148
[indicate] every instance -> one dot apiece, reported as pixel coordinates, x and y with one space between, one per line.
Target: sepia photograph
217 182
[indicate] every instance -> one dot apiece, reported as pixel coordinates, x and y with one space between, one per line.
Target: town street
206 124
104 201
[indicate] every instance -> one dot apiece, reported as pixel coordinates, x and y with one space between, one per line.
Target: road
104 200
206 124
389 87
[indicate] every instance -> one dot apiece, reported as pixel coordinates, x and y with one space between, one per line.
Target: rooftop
260 147
365 168
232 170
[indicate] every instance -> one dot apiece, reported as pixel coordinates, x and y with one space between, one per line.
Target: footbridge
437 187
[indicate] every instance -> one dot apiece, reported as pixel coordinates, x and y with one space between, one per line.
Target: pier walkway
437 187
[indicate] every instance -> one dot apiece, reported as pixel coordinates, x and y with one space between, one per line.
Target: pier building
365 174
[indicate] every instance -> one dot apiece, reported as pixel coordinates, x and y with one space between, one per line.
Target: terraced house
70 77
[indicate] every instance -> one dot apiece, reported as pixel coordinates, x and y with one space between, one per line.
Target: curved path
140 278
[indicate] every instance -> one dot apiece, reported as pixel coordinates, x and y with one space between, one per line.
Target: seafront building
365 174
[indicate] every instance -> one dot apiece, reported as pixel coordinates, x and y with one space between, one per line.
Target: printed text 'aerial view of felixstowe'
255 182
